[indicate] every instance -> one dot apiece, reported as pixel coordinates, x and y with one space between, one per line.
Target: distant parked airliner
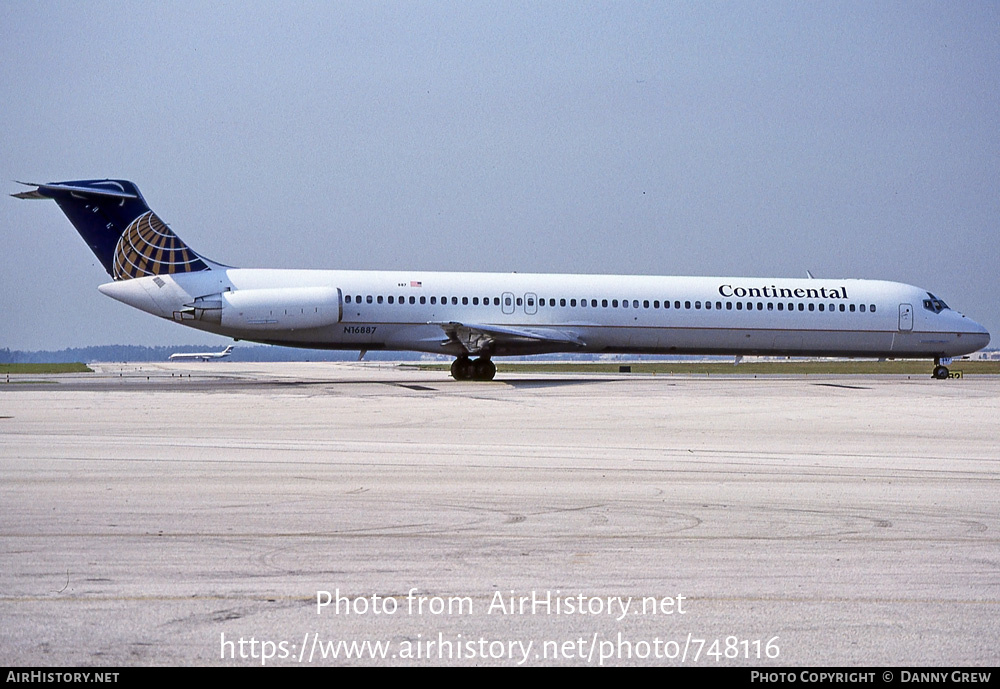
202 356
478 316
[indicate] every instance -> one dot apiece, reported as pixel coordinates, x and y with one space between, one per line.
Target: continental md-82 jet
475 317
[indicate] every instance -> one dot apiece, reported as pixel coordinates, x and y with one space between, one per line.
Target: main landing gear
940 371
464 368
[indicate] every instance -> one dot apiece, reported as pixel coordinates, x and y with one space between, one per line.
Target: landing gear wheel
483 369
480 369
461 368
940 372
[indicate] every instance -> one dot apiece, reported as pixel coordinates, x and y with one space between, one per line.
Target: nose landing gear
464 368
940 371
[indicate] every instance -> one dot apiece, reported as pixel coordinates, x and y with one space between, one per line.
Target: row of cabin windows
369 299
614 303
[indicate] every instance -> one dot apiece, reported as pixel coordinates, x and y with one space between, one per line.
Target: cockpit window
934 304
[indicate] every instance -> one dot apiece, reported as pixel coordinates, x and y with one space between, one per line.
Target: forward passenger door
906 317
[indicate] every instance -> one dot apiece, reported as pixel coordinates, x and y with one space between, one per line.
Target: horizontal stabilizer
101 192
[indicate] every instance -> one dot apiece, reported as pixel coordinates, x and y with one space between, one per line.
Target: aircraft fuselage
406 310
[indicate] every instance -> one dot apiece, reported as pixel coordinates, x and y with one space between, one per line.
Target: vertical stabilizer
126 236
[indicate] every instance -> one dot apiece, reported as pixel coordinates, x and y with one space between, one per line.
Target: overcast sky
852 139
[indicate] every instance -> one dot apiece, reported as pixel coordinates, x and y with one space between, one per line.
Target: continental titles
772 292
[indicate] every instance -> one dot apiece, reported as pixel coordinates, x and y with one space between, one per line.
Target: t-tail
127 237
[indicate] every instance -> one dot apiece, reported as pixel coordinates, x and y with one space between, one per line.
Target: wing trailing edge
479 339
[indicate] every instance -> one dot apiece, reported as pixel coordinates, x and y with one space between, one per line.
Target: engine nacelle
278 308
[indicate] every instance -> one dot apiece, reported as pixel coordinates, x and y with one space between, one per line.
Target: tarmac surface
200 513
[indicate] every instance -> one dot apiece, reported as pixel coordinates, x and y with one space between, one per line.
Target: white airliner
478 316
202 356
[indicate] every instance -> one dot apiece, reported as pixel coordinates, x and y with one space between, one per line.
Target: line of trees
139 353
254 352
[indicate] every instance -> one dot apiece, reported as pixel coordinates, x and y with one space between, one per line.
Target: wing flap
476 339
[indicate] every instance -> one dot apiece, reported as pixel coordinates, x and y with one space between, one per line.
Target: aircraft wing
476 339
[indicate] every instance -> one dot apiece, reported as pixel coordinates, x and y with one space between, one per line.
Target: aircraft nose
976 335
